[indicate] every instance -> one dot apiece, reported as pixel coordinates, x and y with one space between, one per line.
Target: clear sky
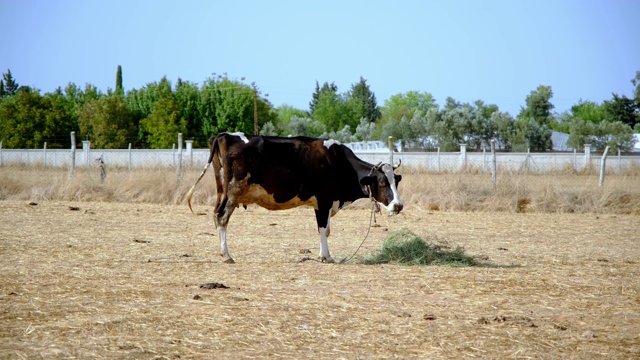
496 51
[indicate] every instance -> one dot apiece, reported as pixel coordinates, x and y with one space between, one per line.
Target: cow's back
282 173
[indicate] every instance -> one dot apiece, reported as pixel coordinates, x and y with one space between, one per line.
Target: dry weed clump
563 191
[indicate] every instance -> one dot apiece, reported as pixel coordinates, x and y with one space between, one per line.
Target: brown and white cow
280 173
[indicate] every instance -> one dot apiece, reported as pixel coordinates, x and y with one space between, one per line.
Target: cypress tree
119 88
10 85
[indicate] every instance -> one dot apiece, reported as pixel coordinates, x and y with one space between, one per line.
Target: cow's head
382 185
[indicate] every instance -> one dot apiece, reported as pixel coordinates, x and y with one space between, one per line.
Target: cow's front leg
323 218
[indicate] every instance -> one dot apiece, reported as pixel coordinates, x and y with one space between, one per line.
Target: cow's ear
398 178
368 180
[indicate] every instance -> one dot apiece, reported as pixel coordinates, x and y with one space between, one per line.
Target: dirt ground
114 280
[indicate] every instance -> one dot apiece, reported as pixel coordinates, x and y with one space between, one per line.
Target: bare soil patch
123 280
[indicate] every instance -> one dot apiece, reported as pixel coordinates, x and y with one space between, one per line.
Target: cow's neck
363 169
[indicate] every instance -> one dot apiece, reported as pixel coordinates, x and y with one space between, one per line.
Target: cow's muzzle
394 208
397 207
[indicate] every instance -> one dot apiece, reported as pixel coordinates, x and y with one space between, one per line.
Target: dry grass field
113 270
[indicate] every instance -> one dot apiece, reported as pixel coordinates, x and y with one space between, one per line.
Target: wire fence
433 162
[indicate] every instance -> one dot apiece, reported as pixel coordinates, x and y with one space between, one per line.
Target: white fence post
619 163
179 168
493 163
391 150
44 154
438 158
129 156
86 148
463 156
587 155
190 151
0 153
73 152
602 165
484 159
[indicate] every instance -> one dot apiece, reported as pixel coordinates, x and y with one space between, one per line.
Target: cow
279 173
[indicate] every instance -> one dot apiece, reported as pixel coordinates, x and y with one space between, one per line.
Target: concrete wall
433 161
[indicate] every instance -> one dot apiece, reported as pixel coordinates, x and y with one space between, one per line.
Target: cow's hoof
229 261
328 260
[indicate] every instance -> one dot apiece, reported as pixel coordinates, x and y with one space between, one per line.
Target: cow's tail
212 150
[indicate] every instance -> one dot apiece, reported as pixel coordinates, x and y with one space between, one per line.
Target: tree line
150 117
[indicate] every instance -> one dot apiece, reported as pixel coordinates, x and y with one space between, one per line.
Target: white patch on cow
241 136
256 194
324 243
336 207
330 142
388 172
324 246
224 251
222 173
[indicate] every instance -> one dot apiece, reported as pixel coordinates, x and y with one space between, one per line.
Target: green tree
486 110
466 124
284 114
107 122
622 109
60 119
364 101
305 126
141 104
580 132
28 119
268 129
187 97
164 124
22 120
456 123
400 130
333 111
532 129
227 105
403 105
530 134
326 87
119 88
589 111
343 135
364 131
636 83
539 106
406 104
614 134
10 85
502 127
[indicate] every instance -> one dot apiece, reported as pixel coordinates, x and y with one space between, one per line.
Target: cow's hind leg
223 212
323 218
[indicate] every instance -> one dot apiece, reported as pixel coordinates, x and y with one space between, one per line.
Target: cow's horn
378 166
399 163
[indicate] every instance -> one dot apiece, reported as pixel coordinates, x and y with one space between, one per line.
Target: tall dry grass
564 191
